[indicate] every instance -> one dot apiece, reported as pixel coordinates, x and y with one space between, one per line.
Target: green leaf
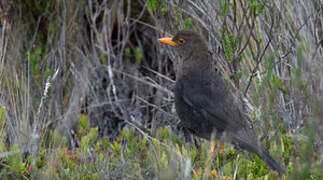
229 43
270 61
152 5
139 55
90 138
164 8
188 23
2 109
223 4
127 52
15 161
83 121
116 148
239 74
179 12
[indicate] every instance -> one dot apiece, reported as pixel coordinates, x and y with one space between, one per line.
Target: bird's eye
181 41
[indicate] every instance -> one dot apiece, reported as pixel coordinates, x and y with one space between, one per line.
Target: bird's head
187 43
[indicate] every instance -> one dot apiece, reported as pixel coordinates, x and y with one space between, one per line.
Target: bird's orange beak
167 40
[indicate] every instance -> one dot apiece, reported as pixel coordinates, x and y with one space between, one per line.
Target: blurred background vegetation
86 91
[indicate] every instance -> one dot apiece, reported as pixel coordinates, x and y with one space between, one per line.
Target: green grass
138 156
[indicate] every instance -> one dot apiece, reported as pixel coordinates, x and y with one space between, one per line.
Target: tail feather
263 154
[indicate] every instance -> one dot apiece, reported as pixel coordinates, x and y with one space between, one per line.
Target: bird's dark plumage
202 100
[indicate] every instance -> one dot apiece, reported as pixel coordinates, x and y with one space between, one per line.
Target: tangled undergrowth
86 91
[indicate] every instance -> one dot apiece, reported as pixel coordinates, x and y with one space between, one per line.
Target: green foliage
239 74
188 23
229 43
95 176
223 4
127 52
2 109
144 158
116 147
277 83
270 60
139 54
152 5
83 121
179 12
15 162
298 69
4 174
166 133
256 7
104 58
164 7
286 147
257 167
306 151
34 60
296 73
276 121
272 82
2 124
133 155
317 170
89 139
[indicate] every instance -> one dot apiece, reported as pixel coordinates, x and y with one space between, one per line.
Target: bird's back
204 104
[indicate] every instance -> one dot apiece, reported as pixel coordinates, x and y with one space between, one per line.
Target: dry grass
66 67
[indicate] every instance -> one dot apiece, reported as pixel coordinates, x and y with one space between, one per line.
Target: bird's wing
214 102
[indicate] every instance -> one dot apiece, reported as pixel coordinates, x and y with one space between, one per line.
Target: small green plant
164 7
306 150
257 167
188 23
2 109
35 60
16 165
127 52
286 147
139 54
229 43
83 121
152 5
256 7
223 4
89 138
296 76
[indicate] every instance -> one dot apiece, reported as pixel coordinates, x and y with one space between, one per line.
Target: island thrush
202 100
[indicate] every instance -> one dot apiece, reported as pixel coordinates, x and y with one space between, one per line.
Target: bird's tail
263 154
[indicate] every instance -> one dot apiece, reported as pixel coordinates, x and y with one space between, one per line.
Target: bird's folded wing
214 107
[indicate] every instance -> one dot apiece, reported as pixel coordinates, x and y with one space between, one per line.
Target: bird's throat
193 63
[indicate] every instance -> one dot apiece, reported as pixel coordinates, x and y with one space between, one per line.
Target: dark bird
202 100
